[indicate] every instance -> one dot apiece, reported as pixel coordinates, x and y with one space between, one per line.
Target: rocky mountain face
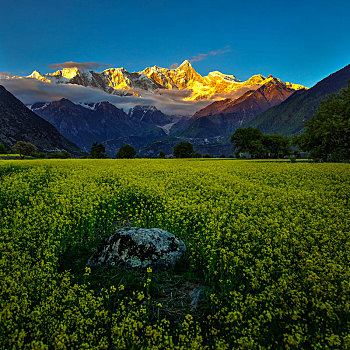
154 79
84 126
224 117
18 123
150 115
103 122
289 116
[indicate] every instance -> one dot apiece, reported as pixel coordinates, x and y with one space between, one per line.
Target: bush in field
24 149
161 155
207 155
126 152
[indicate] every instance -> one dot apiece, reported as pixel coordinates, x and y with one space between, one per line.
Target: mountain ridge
153 79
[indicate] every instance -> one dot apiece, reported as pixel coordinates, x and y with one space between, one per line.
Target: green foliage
327 134
126 152
3 149
39 155
183 150
24 149
253 142
98 151
223 156
269 239
207 155
249 140
58 155
277 146
197 155
161 155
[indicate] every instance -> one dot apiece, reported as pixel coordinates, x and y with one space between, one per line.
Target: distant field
269 241
9 156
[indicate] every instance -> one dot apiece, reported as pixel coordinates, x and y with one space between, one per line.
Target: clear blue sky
297 41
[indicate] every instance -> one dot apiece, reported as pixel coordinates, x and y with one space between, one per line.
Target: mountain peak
68 73
37 75
185 65
218 75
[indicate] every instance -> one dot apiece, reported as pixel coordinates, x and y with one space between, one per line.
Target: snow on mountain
119 81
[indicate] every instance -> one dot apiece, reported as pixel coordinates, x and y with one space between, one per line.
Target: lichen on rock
133 247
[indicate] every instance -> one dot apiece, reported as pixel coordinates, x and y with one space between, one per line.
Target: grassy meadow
268 241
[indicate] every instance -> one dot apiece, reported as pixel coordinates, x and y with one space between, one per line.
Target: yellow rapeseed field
270 241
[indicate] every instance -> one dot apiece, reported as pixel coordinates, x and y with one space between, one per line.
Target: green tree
3 149
277 145
327 133
161 155
98 151
183 150
126 152
24 148
249 140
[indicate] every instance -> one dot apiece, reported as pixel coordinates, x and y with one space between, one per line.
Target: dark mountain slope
288 117
18 123
85 126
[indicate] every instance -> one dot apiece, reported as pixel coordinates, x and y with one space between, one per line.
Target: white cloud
30 91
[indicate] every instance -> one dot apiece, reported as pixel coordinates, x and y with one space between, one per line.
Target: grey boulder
133 247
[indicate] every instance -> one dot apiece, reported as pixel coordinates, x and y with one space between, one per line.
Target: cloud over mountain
82 65
202 56
30 91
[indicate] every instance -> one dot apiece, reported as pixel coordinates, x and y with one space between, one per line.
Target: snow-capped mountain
153 79
225 116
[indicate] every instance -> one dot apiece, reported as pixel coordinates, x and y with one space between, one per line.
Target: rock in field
133 247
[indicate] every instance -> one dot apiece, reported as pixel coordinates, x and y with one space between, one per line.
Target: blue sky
296 41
